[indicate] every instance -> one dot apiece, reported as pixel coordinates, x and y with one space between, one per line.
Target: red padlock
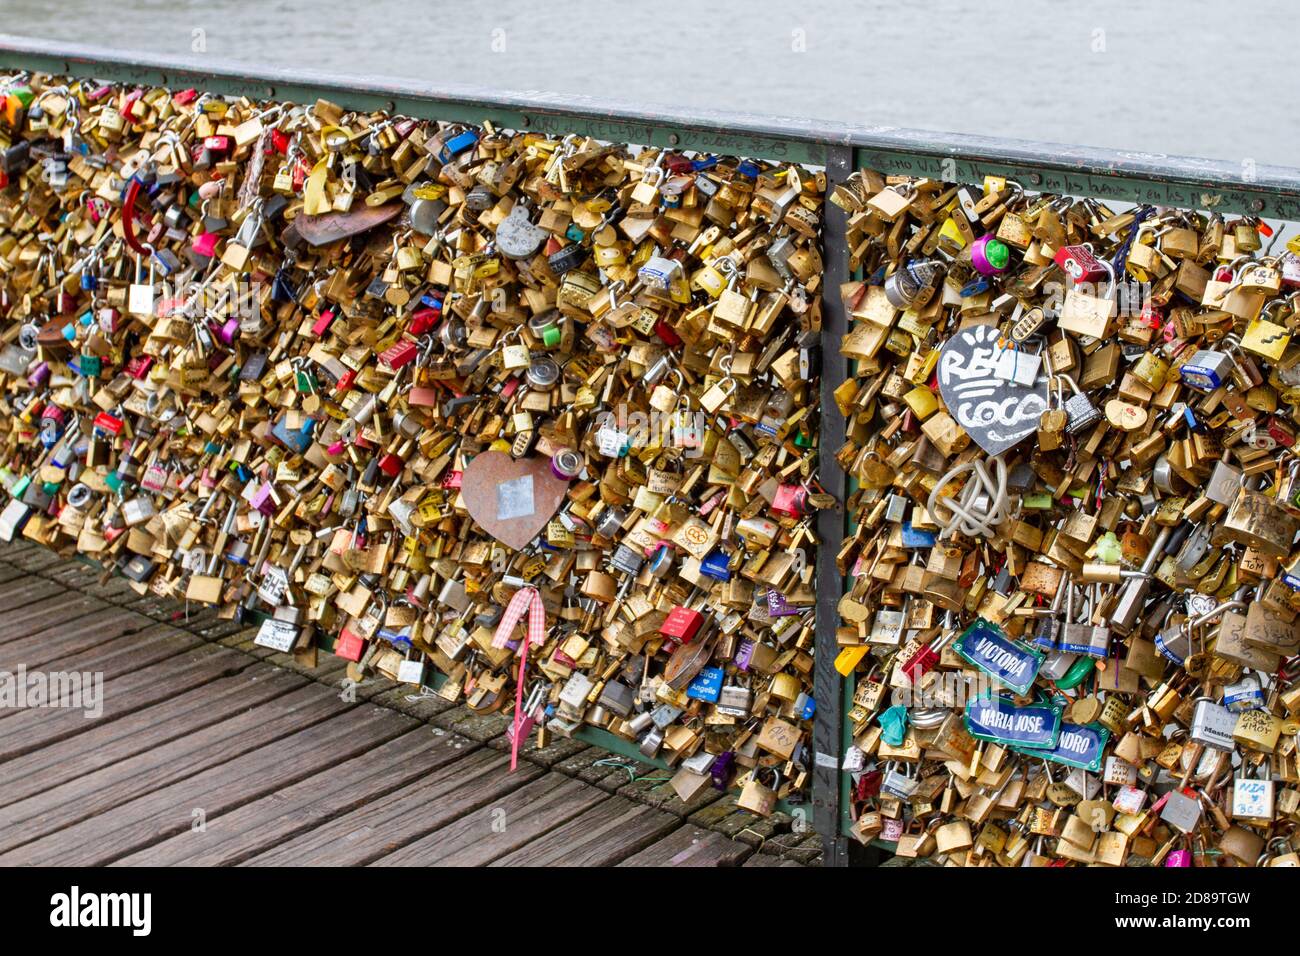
790 500
395 356
139 366
1080 264
392 463
322 323
349 646
422 320
682 624
422 397
1280 432
668 335
108 423
926 657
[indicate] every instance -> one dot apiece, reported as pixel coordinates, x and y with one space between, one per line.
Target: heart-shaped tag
975 382
511 499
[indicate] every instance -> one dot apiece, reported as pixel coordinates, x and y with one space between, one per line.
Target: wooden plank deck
210 751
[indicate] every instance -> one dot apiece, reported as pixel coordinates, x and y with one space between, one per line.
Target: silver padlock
779 253
651 742
453 595
1081 637
1245 694
1013 364
1081 412
735 700
1194 548
1181 812
626 559
1212 725
425 214
887 627
899 783
665 714
617 698
1056 664
575 691
1224 483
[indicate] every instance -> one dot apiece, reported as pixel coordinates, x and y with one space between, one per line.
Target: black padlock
567 259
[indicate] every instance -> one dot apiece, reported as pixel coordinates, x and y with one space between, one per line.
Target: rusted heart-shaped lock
512 499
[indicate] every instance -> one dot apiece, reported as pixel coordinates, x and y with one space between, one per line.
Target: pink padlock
322 323
205 244
335 448
228 330
262 500
1179 858
789 500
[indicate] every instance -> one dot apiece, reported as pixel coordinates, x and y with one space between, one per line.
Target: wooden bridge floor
213 751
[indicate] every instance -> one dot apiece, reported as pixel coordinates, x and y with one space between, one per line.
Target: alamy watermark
75 690
622 429
133 911
1132 298
946 689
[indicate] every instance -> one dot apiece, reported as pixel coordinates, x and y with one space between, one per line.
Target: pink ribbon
525 599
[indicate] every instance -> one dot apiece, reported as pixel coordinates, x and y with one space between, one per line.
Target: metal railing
1265 191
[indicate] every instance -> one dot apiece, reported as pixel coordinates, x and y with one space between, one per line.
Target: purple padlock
227 331
721 768
38 375
1179 858
989 255
262 499
744 654
778 606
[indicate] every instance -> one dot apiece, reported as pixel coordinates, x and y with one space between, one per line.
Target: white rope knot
983 504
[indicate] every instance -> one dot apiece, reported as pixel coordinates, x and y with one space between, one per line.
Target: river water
1189 77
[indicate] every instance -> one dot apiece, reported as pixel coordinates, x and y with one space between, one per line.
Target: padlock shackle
128 216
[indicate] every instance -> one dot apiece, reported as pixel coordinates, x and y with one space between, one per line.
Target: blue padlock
456 145
714 566
707 685
1206 370
912 538
299 440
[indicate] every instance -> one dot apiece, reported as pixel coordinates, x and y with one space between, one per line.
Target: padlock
1082 414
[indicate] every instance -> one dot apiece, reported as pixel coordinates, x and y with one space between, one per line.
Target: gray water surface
1189 77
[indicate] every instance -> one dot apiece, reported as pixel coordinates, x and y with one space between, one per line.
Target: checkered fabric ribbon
525 599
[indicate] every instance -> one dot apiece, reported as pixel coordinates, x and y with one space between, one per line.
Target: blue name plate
1036 727
1006 661
1081 745
707 685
